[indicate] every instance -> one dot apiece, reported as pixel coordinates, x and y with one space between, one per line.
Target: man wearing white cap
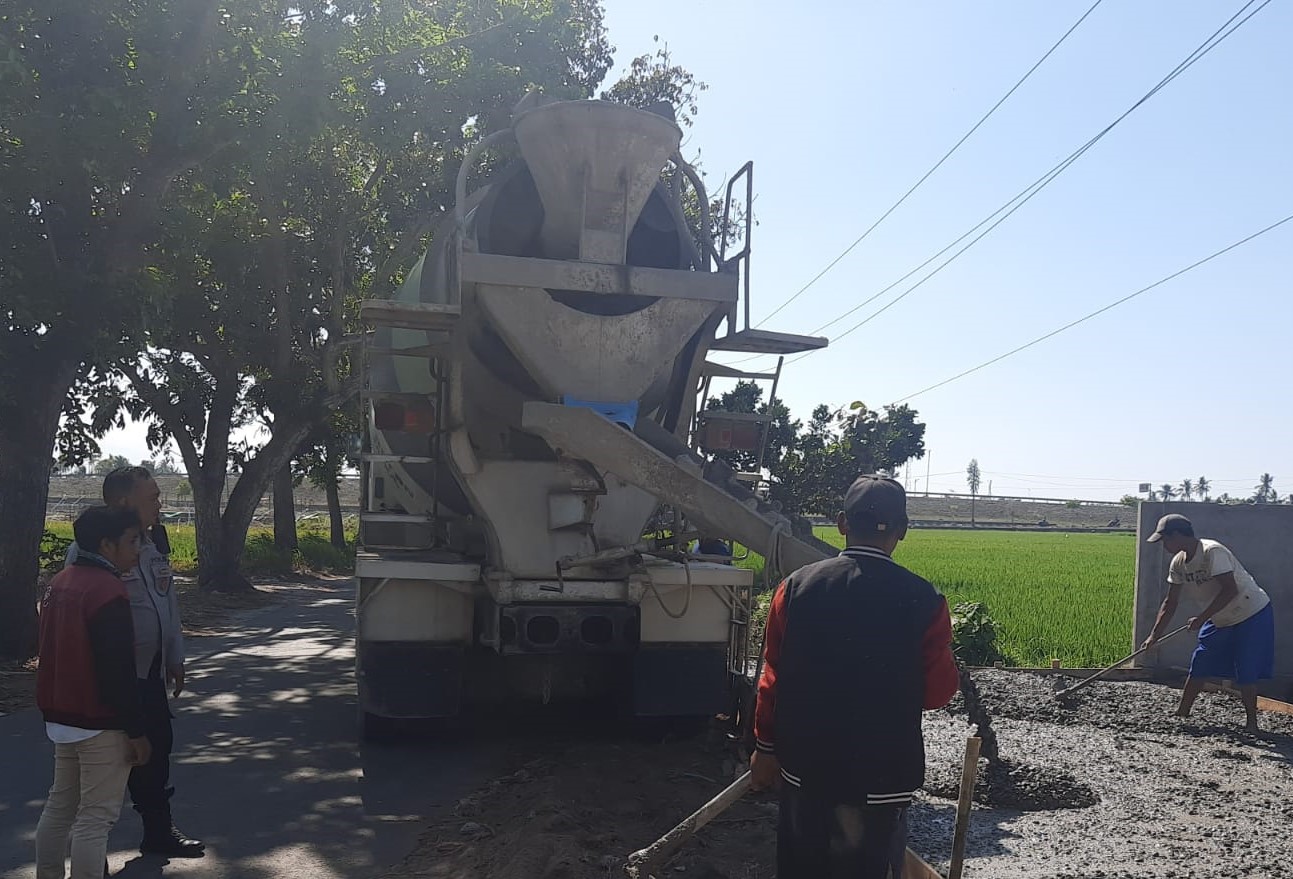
1236 628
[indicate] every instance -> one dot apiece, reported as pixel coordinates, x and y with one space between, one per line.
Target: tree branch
171 416
421 53
215 449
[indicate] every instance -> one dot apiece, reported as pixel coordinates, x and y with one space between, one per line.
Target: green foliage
1073 505
1130 500
654 79
834 448
314 552
973 476
974 634
53 549
110 463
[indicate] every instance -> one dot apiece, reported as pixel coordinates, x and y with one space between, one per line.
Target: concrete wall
1260 536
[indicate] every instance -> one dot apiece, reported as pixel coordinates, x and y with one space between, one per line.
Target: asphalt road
267 767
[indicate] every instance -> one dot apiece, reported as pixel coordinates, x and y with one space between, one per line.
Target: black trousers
149 784
821 839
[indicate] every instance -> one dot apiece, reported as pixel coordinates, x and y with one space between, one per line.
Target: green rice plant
1053 595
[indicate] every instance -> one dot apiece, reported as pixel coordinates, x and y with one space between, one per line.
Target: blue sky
843 106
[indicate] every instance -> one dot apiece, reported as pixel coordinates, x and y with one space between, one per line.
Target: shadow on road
267 767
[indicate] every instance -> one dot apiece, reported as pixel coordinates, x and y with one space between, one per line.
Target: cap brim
1155 537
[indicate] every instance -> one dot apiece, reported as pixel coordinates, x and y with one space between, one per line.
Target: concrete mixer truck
537 461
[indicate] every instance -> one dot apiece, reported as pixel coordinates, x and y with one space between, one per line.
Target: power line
1042 182
1099 311
931 171
1027 194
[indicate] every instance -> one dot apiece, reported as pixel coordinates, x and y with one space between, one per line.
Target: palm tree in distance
1167 491
1187 490
1201 488
1265 489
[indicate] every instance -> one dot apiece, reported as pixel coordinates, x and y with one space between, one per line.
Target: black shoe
167 841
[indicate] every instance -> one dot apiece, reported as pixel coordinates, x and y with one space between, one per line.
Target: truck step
373 458
409 316
395 518
766 342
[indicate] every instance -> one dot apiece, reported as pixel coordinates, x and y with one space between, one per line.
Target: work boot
162 837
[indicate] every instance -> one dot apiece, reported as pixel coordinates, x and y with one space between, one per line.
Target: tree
1203 487
103 107
1265 489
330 449
110 463
184 490
973 478
1187 489
835 447
328 200
1167 491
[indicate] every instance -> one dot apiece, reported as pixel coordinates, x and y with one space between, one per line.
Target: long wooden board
916 868
1168 677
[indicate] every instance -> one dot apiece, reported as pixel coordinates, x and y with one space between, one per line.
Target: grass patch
314 553
1063 596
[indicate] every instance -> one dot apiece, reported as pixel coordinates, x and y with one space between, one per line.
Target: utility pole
929 456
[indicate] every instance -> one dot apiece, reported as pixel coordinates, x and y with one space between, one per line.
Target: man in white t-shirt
1236 628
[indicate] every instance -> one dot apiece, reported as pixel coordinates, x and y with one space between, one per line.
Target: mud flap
681 680
410 679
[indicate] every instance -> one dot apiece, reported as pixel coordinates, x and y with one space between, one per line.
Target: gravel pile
1176 798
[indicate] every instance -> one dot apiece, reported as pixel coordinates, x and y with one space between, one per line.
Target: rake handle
642 863
1127 658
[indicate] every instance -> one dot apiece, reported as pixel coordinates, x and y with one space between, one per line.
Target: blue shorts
1243 653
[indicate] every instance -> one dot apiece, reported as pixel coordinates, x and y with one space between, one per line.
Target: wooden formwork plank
915 868
1167 677
1118 674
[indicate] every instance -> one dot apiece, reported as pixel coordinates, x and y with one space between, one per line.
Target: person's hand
176 674
1195 623
1149 642
140 751
765 771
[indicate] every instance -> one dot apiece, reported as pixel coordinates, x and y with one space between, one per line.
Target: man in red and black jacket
86 690
856 648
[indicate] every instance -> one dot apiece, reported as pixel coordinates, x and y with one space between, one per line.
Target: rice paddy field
1053 595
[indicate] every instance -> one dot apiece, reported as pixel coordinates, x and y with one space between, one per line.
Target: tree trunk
334 514
26 458
220 551
219 554
285 537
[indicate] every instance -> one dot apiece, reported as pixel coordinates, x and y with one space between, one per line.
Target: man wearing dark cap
856 647
1236 628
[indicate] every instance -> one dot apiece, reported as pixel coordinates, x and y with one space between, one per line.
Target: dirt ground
1110 786
577 813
